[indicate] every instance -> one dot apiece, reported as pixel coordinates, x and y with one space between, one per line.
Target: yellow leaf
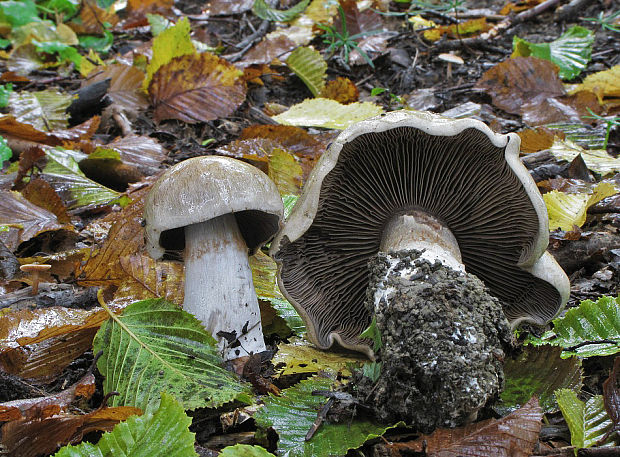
596 159
567 210
285 172
322 112
299 356
603 84
420 23
172 42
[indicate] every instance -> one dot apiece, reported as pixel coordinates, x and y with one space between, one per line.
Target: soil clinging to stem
443 340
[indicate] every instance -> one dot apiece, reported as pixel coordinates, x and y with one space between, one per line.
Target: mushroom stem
422 232
218 285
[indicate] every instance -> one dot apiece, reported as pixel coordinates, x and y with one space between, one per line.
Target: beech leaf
322 112
196 88
308 64
264 11
163 433
45 110
155 346
591 329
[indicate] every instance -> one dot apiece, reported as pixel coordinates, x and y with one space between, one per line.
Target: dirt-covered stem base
443 337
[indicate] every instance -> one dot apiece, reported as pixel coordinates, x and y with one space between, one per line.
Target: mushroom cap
452 58
31 267
202 188
457 170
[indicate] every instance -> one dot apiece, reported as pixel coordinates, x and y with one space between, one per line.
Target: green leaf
289 201
538 371
587 421
571 52
164 433
65 52
309 65
5 150
68 8
372 370
264 11
64 174
592 329
158 23
156 346
292 414
45 110
5 93
97 43
322 112
374 334
245 450
18 13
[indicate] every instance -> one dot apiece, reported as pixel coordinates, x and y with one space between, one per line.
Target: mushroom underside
443 336
463 181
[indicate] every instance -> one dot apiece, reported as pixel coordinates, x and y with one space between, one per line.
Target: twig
320 418
587 343
248 42
521 17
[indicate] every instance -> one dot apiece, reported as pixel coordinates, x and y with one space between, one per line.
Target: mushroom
35 270
217 210
434 205
451 59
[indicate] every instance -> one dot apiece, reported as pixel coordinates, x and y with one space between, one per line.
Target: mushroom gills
218 275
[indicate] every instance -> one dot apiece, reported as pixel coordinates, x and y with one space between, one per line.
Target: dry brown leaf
143 152
42 407
538 139
64 264
611 396
125 86
30 219
146 278
517 7
568 108
512 436
465 29
25 438
268 50
139 8
520 81
83 131
343 90
253 73
22 136
126 237
227 7
92 18
254 150
294 139
358 22
42 194
196 88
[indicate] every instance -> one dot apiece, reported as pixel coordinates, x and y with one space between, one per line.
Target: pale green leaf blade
264 11
597 160
245 450
591 329
292 415
64 174
289 201
322 112
45 110
164 433
308 64
538 371
571 52
156 346
588 422
566 210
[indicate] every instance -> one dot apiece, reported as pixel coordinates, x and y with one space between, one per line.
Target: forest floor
76 171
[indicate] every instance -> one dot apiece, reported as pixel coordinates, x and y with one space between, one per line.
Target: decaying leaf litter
158 83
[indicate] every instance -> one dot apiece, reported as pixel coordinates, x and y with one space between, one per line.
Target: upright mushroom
432 204
217 210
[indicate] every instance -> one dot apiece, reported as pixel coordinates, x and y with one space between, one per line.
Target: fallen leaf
143 152
42 194
293 139
567 210
520 81
269 49
125 85
45 110
15 131
465 29
536 139
92 18
322 112
605 84
597 160
196 88
31 438
124 238
43 407
137 9
611 395
343 90
285 172
227 7
308 64
512 436
16 211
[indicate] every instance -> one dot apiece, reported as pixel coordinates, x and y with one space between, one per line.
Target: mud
443 337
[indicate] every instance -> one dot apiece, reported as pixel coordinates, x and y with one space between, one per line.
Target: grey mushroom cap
203 188
459 171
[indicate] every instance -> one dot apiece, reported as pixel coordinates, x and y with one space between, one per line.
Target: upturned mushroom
217 210
434 206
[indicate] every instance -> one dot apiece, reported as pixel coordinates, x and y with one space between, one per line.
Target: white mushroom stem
420 231
218 285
